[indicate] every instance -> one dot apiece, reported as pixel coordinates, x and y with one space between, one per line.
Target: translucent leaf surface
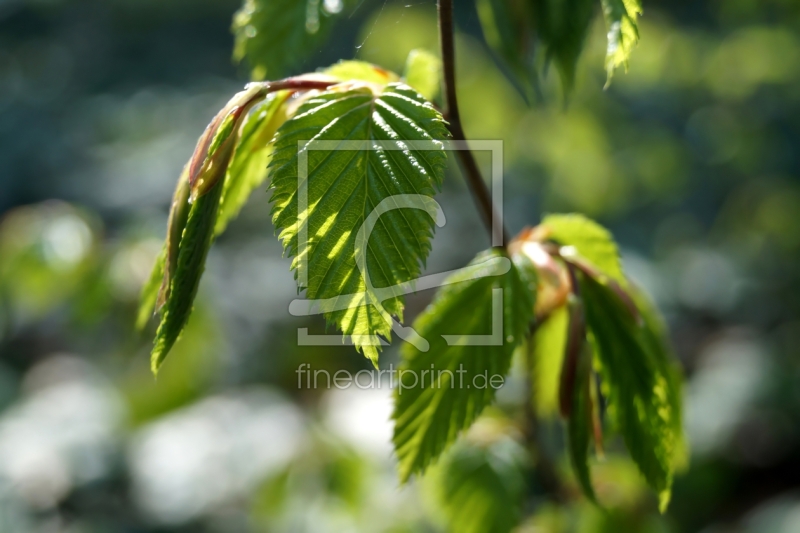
591 241
248 168
547 351
423 73
362 201
491 299
640 382
623 32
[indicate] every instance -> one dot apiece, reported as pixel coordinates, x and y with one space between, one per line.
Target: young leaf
579 422
451 389
481 488
591 241
423 72
193 217
361 71
192 251
248 167
640 383
623 32
277 35
562 26
547 346
507 28
354 193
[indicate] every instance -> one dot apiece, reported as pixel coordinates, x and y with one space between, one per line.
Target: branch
480 193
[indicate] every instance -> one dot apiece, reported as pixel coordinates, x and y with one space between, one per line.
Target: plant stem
480 192
296 84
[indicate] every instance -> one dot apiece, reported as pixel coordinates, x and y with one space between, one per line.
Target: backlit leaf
423 73
361 71
248 168
193 217
623 32
547 351
492 297
640 382
592 242
192 251
383 195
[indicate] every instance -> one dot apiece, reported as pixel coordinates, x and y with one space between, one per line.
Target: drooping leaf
248 168
423 73
213 152
508 30
573 353
591 241
623 32
562 26
547 351
430 414
192 251
149 292
655 337
193 218
480 488
579 422
277 35
640 382
371 205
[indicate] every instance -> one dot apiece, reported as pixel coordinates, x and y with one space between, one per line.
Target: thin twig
480 192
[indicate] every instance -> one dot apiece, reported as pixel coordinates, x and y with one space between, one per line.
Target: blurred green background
692 159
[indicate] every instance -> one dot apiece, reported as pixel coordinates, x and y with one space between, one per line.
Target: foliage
355 155
430 414
275 37
348 251
555 30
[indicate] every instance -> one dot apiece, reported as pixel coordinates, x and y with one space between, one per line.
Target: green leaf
382 195
149 293
192 251
430 413
579 423
640 382
623 32
562 26
248 168
547 346
423 73
193 216
277 35
362 71
655 337
591 241
508 31
480 488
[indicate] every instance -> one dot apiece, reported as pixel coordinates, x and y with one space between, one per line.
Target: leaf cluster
528 35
